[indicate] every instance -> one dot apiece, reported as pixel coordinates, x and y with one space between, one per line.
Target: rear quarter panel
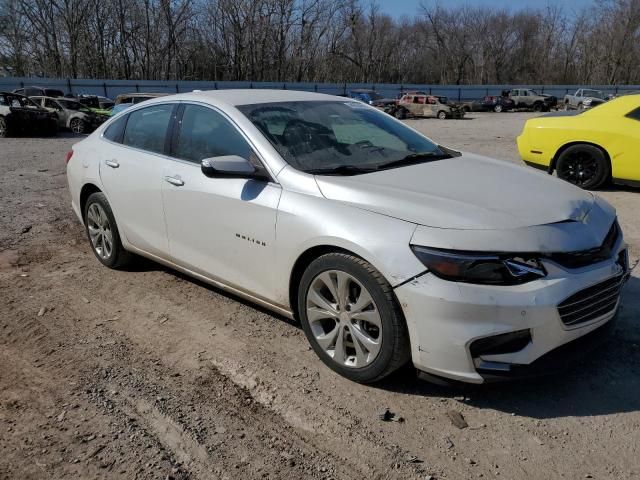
543 138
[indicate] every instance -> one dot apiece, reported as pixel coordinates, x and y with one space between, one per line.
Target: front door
223 228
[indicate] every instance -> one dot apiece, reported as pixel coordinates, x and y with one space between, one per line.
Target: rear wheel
77 125
442 115
351 318
4 132
103 232
586 166
497 108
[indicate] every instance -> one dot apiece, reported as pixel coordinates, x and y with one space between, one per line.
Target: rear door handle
112 163
174 181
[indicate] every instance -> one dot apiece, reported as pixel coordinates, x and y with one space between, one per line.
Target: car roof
237 97
143 94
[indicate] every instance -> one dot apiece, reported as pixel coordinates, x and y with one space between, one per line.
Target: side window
20 91
204 133
115 131
147 128
635 114
51 104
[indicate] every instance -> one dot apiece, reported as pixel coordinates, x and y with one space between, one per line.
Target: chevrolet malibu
386 246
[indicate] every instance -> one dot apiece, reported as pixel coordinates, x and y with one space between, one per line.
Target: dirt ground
146 374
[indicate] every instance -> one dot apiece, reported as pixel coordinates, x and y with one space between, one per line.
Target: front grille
589 257
592 302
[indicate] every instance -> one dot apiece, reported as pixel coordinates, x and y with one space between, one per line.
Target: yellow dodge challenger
587 148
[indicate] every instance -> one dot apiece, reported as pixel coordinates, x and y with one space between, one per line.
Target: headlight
485 269
587 101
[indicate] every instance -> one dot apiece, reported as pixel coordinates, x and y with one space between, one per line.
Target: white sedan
387 247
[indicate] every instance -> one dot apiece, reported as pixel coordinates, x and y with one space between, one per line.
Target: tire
585 166
364 349
4 128
77 125
100 225
400 114
538 107
580 106
442 115
497 108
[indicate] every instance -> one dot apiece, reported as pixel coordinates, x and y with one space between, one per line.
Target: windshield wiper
341 170
414 158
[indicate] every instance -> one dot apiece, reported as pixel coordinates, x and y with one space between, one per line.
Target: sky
398 8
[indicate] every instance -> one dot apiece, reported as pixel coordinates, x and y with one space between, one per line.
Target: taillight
69 155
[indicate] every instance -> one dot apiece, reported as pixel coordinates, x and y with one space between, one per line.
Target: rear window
50 92
147 128
115 131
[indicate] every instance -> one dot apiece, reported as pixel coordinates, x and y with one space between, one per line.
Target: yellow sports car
589 147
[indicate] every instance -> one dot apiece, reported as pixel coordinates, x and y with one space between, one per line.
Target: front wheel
586 166
351 318
497 108
538 107
103 232
400 114
442 115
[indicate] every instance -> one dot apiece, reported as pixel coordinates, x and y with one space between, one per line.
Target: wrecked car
21 116
584 98
527 98
71 114
422 105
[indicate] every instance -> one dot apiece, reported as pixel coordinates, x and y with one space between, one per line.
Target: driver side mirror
231 166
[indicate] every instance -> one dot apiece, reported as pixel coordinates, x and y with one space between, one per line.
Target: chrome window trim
187 162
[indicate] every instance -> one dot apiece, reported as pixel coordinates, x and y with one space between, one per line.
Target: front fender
306 221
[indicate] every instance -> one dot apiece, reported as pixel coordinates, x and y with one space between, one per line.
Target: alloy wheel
77 125
344 319
579 169
100 231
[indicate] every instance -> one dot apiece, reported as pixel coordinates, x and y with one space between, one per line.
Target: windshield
339 137
593 93
72 105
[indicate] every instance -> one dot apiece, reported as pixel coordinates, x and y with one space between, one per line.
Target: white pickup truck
584 98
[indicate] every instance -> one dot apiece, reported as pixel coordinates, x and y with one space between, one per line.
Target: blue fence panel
113 88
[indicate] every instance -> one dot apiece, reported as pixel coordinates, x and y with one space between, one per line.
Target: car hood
467 192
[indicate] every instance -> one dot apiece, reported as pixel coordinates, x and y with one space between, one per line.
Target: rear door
223 228
131 166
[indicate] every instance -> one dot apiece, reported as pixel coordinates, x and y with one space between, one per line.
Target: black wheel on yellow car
586 166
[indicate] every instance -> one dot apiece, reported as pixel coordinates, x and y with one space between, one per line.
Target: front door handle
112 163
174 181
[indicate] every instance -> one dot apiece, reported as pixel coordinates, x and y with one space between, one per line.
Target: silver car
386 246
71 114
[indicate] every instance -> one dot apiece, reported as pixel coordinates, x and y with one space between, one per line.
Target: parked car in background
422 105
137 97
71 114
39 91
490 103
532 100
93 103
96 101
19 115
374 99
584 98
589 147
116 109
386 246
